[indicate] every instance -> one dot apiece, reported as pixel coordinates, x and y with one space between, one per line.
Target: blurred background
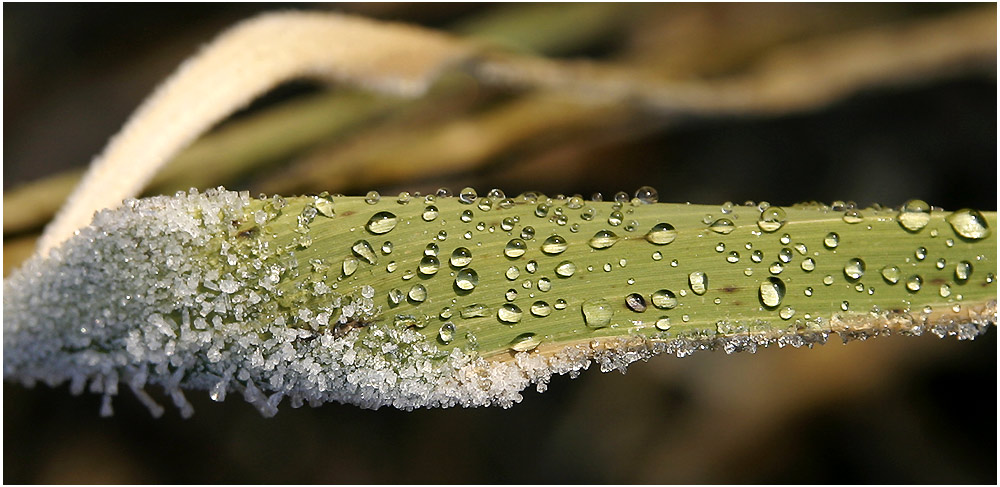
890 410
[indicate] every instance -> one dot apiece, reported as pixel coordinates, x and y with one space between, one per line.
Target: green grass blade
466 300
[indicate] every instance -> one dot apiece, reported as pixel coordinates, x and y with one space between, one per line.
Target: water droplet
395 296
635 302
772 290
381 222
831 241
854 269
509 313
565 269
786 313
467 196
372 197
386 247
363 249
914 215
404 198
541 309
808 264
722 226
515 248
891 274
512 273
528 232
467 279
429 265
914 283
771 219
698 282
733 257
391 266
852 217
446 313
785 255
646 195
845 305
920 253
828 280
561 304
473 311
970 224
466 216
808 291
531 266
417 293
615 218
461 257
945 290
525 342
720 247
757 256
663 323
430 213
443 192
603 239
785 239
661 234
554 245
447 332
324 205
776 268
963 270
544 284
597 312
801 248
941 263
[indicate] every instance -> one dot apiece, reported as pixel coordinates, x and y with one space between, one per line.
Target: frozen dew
428 265
969 224
831 241
699 282
381 222
772 291
771 219
396 296
854 269
466 279
664 299
509 313
461 257
914 215
554 245
597 312
603 239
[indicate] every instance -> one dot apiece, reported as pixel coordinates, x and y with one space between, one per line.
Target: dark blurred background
891 410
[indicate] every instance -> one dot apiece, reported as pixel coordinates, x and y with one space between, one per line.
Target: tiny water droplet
852 217
854 269
544 284
447 332
891 274
473 311
446 313
785 255
733 257
372 197
969 224
657 255
945 290
554 245
603 239
808 264
757 256
531 266
467 279
430 213
920 253
914 215
828 280
461 257
615 218
963 270
914 283
831 241
776 268
663 323
512 273
466 216
720 247
541 309
845 305
528 232
597 312
561 304
395 296
565 269
786 313
941 263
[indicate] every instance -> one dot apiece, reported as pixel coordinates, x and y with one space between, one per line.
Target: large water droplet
635 302
429 265
603 239
771 219
515 248
970 224
509 313
565 269
854 269
661 234
381 222
699 282
525 342
541 309
461 257
363 249
466 279
646 195
554 245
664 299
772 290
722 226
597 312
417 293
430 213
914 215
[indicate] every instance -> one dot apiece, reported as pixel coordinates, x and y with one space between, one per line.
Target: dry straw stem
264 52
